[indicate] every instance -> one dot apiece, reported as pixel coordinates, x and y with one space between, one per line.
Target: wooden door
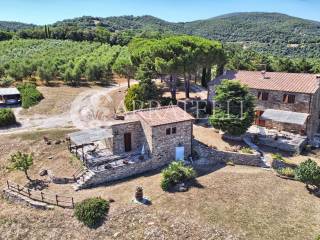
127 142
258 121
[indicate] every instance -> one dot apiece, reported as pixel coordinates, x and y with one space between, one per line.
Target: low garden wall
121 172
208 155
60 180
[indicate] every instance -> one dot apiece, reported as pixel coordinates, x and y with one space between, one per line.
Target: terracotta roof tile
276 81
164 115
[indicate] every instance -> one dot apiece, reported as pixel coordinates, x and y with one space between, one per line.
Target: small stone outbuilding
143 140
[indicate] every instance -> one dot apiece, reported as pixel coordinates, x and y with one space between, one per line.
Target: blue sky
49 11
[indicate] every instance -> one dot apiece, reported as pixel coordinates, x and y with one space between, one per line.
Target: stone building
284 101
142 140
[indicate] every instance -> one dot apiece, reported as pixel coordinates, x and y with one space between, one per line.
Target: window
263 96
289 98
168 131
174 130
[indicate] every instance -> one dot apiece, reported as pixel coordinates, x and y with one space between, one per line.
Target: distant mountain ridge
266 32
14 26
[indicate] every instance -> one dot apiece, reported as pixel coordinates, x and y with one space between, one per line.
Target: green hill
273 33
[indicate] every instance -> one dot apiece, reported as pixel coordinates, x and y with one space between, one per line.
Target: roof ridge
151 109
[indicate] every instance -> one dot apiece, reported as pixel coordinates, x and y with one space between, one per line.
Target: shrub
7 117
288 172
308 172
92 211
246 150
29 94
6 82
277 156
176 173
142 95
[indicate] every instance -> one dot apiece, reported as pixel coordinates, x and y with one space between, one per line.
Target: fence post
72 202
42 198
57 200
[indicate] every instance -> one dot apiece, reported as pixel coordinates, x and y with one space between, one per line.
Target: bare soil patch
229 203
57 100
54 157
211 137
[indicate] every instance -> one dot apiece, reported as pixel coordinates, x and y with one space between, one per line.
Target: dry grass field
227 203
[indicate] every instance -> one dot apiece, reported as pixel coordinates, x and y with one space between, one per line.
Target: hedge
7 117
30 95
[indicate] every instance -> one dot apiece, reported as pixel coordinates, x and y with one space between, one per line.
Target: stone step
83 180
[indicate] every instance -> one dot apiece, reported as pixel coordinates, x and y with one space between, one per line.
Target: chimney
224 72
263 73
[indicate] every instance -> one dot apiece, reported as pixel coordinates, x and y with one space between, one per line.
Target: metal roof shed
90 136
9 96
9 91
285 116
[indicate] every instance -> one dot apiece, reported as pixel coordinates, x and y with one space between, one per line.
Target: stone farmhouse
284 101
140 141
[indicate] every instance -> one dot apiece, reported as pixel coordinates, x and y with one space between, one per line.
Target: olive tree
21 162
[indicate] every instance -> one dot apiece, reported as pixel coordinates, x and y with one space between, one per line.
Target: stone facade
164 146
138 137
304 103
157 142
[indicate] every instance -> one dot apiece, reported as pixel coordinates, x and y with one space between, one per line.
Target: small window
174 130
259 95
168 131
264 96
289 98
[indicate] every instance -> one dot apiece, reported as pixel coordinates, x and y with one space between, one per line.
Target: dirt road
79 106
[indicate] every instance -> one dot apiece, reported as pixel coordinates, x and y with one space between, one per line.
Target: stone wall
209 155
288 127
60 180
314 120
121 172
21 199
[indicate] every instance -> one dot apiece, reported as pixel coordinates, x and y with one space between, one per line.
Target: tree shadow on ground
38 184
203 170
12 126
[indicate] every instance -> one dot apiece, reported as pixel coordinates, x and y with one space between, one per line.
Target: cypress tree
203 77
